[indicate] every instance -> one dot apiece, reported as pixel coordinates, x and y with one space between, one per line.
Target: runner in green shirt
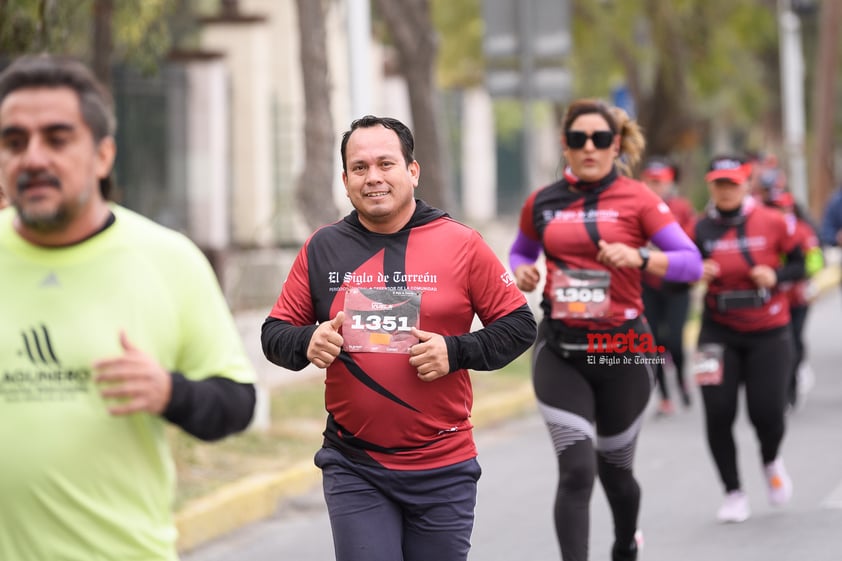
111 327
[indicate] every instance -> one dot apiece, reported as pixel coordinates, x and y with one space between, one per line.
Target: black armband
211 408
495 345
285 344
794 268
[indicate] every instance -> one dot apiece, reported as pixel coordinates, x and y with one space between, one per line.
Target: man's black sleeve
495 345
212 408
285 344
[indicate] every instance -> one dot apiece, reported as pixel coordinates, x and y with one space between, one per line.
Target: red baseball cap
729 168
659 171
784 200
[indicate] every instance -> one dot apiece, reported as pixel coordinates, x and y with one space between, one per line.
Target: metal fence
149 153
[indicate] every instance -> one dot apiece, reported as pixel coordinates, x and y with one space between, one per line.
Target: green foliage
141 34
727 70
28 26
508 117
601 31
139 28
724 44
460 27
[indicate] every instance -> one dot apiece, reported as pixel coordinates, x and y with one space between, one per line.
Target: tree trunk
314 186
43 34
824 108
230 8
663 113
411 28
103 44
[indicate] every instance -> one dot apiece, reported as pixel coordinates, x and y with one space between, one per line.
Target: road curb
257 497
245 501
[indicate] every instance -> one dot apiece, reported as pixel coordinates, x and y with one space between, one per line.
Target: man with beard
113 326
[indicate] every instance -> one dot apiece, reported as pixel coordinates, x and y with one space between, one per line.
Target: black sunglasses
577 139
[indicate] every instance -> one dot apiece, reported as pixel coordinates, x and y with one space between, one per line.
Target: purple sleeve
685 261
524 251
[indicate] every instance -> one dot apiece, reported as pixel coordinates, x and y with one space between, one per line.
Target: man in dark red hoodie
384 300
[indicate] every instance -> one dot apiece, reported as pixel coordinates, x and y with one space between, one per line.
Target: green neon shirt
75 482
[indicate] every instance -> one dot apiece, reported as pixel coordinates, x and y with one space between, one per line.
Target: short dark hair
403 132
50 71
53 71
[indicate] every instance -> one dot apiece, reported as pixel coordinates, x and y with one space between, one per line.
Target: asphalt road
680 489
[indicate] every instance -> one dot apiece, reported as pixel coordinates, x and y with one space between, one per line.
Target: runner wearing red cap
667 303
745 339
800 292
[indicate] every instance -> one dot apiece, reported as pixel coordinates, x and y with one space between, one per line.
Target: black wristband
644 255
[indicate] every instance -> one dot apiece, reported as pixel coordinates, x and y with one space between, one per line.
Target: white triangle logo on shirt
50 280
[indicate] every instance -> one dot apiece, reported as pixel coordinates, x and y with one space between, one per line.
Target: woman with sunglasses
593 360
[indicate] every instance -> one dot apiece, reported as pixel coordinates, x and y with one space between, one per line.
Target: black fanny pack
741 299
568 341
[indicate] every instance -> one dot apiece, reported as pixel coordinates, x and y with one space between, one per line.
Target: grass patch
294 434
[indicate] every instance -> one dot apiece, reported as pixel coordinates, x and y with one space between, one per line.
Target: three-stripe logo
38 346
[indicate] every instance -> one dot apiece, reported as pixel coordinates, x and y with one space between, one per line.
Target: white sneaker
778 482
805 379
735 508
638 539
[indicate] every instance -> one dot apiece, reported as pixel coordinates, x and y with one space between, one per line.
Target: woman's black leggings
593 405
761 362
666 310
799 319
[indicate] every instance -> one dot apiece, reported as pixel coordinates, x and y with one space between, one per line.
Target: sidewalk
257 497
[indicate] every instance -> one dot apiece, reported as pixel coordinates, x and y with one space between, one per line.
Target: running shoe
628 553
638 539
735 508
805 379
778 482
665 408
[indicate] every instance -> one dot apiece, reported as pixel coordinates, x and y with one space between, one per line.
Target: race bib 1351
380 320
